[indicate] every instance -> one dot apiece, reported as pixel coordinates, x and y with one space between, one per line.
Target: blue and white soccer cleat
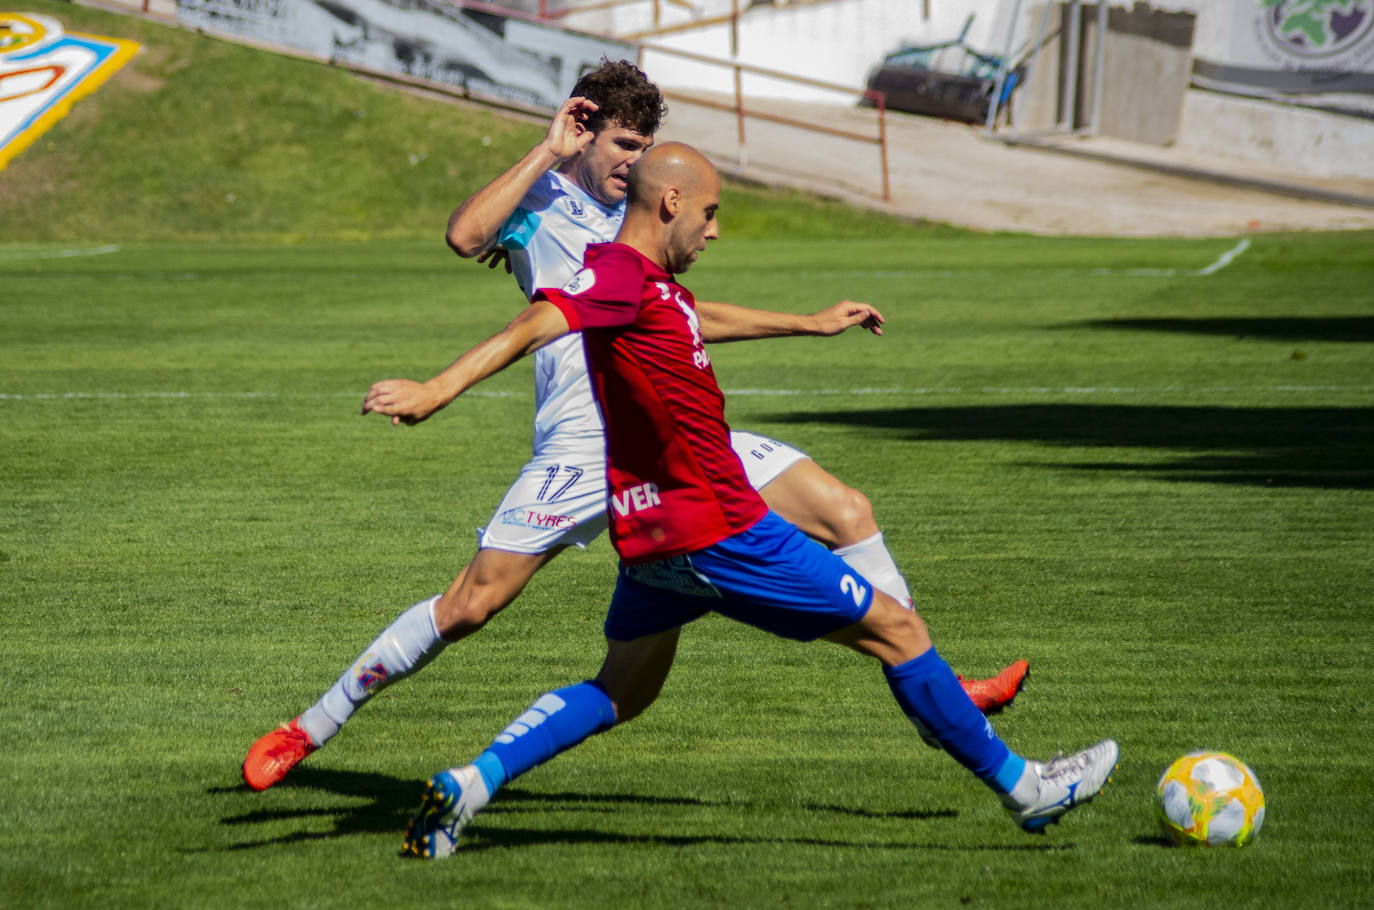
451 799
1066 781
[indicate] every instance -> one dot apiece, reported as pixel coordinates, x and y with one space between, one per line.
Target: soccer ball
1210 798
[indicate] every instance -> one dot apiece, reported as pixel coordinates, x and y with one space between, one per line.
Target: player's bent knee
853 519
842 517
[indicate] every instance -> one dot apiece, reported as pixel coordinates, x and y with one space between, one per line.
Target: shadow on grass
391 801
1358 329
1154 840
1327 448
480 838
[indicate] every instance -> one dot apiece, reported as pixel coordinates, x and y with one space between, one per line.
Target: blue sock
930 695
555 723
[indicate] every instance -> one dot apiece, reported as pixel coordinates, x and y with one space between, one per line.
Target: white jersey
546 236
559 499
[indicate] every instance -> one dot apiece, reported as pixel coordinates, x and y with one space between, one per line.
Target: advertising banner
473 48
1310 51
43 71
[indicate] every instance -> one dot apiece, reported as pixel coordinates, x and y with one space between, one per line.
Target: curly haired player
568 192
694 536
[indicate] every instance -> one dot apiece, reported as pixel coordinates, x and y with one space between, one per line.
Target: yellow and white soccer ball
1210 798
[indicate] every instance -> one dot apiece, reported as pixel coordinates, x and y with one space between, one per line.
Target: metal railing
546 13
738 108
741 112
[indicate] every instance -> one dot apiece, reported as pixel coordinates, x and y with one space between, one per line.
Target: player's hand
847 314
568 133
496 256
403 400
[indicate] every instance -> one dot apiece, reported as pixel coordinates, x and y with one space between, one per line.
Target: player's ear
672 201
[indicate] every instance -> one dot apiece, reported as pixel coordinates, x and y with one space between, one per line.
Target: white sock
405 646
1027 789
875 563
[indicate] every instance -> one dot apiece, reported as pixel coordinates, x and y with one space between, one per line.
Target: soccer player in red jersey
541 213
693 536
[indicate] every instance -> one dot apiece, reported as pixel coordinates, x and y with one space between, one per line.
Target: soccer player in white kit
568 192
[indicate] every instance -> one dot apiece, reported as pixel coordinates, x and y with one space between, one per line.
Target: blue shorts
772 577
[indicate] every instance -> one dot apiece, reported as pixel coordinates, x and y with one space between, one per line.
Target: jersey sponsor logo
580 282
533 518
540 711
636 499
700 359
855 590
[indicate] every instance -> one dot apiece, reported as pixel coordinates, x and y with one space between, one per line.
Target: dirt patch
140 75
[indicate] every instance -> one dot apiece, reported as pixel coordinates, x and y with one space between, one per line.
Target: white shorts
562 503
551 504
763 458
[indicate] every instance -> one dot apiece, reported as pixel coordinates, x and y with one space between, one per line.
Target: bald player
544 220
692 534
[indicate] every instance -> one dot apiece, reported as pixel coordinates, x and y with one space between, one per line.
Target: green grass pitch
1156 485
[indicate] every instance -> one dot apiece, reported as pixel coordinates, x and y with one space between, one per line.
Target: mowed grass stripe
1186 565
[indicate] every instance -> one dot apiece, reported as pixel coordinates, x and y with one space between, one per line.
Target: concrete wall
1036 104
1148 63
1146 96
1279 137
1301 142
166 9
837 41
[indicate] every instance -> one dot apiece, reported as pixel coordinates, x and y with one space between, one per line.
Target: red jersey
675 484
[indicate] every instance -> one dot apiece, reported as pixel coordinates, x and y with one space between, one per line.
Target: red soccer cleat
998 692
272 756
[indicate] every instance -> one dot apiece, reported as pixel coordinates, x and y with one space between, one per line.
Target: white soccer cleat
1065 781
451 799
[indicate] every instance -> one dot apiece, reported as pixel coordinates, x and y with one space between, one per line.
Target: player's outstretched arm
409 402
473 227
727 322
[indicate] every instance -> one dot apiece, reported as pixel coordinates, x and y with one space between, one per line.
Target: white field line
1220 263
206 396
1007 391
21 255
1226 258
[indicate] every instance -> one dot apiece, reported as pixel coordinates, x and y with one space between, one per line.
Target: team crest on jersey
575 208
580 282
